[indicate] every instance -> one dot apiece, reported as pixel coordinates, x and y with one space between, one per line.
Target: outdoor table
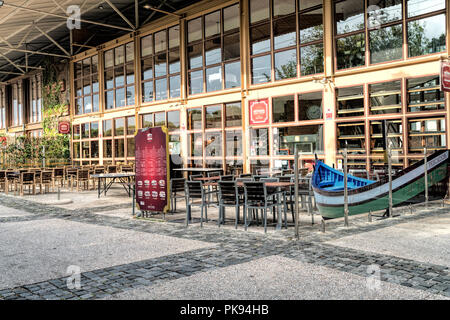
124 179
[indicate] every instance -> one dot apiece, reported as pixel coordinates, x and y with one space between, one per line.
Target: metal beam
165 12
120 14
34 52
11 62
65 17
154 12
51 39
136 13
13 73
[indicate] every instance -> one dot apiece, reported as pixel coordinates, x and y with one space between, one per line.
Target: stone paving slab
426 240
273 278
37 250
6 212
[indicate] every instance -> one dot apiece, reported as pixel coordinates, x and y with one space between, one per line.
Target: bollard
322 226
297 213
410 209
426 175
370 216
59 193
345 189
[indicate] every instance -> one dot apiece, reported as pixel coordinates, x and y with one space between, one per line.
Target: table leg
99 182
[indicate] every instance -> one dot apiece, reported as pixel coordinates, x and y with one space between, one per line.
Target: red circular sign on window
445 76
64 127
259 111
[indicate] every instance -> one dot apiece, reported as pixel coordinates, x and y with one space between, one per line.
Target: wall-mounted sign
64 127
152 169
328 114
259 111
445 76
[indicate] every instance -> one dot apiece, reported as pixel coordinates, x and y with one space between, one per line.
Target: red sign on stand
445 76
152 169
259 111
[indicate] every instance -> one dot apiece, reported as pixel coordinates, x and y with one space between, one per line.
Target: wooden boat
365 195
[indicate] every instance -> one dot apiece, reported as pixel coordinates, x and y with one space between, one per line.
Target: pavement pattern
129 258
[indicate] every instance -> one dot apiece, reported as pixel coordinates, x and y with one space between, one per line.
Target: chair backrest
112 169
259 177
194 190
99 170
269 180
227 178
83 174
228 193
215 173
245 175
58 172
287 171
255 192
193 176
244 179
2 175
46 176
177 184
285 179
27 177
126 168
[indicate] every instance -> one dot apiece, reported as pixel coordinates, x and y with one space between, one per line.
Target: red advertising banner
152 169
64 127
259 111
445 76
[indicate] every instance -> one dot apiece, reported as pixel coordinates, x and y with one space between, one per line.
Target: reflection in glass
351 51
426 36
213 144
283 109
146 46
349 16
382 11
213 79
174 37
194 30
160 41
213 116
175 86
120 97
259 142
130 96
196 149
233 143
109 99
284 34
311 59
173 120
231 18
195 56
196 82
386 44
259 10
233 114
147 71
212 24
194 118
261 69
119 148
160 65
233 75
161 89
418 7
213 51
174 62
310 106
160 119
147 91
309 139
231 47
283 7
260 38
311 26
107 128
286 64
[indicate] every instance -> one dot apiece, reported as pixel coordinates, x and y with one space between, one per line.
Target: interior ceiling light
147 6
101 7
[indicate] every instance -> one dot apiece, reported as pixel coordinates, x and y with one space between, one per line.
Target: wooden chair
46 180
112 169
3 181
59 176
126 168
26 179
82 177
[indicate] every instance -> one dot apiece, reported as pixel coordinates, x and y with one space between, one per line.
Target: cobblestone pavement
231 248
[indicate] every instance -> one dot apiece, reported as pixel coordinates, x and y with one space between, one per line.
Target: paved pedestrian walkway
121 257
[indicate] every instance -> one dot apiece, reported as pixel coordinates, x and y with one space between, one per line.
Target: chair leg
201 216
220 215
237 216
265 220
245 217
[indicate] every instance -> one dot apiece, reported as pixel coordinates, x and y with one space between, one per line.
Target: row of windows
286 41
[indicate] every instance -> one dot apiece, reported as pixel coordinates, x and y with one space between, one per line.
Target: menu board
152 169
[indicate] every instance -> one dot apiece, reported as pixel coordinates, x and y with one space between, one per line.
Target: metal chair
245 175
227 178
229 197
259 177
26 179
177 186
195 196
58 176
257 198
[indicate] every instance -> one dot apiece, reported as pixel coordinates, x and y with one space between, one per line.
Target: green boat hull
401 195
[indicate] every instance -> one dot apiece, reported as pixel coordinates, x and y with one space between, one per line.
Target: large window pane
109 100
426 36
160 41
311 59
231 18
350 101
284 34
195 56
349 16
120 98
119 148
160 119
286 64
382 11
213 116
283 109
175 91
194 118
107 128
311 26
147 69
194 30
130 96
233 114
119 126
107 148
233 143
261 69
196 82
418 7
213 79
233 75
213 144
385 97
212 24
310 106
147 91
147 45
161 89
351 51
174 37
259 10
131 125
309 139
196 149
160 65
173 120
213 51
174 62
260 38
259 142
386 44
283 7
231 47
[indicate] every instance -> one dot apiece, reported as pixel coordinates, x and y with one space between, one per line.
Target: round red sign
64 127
